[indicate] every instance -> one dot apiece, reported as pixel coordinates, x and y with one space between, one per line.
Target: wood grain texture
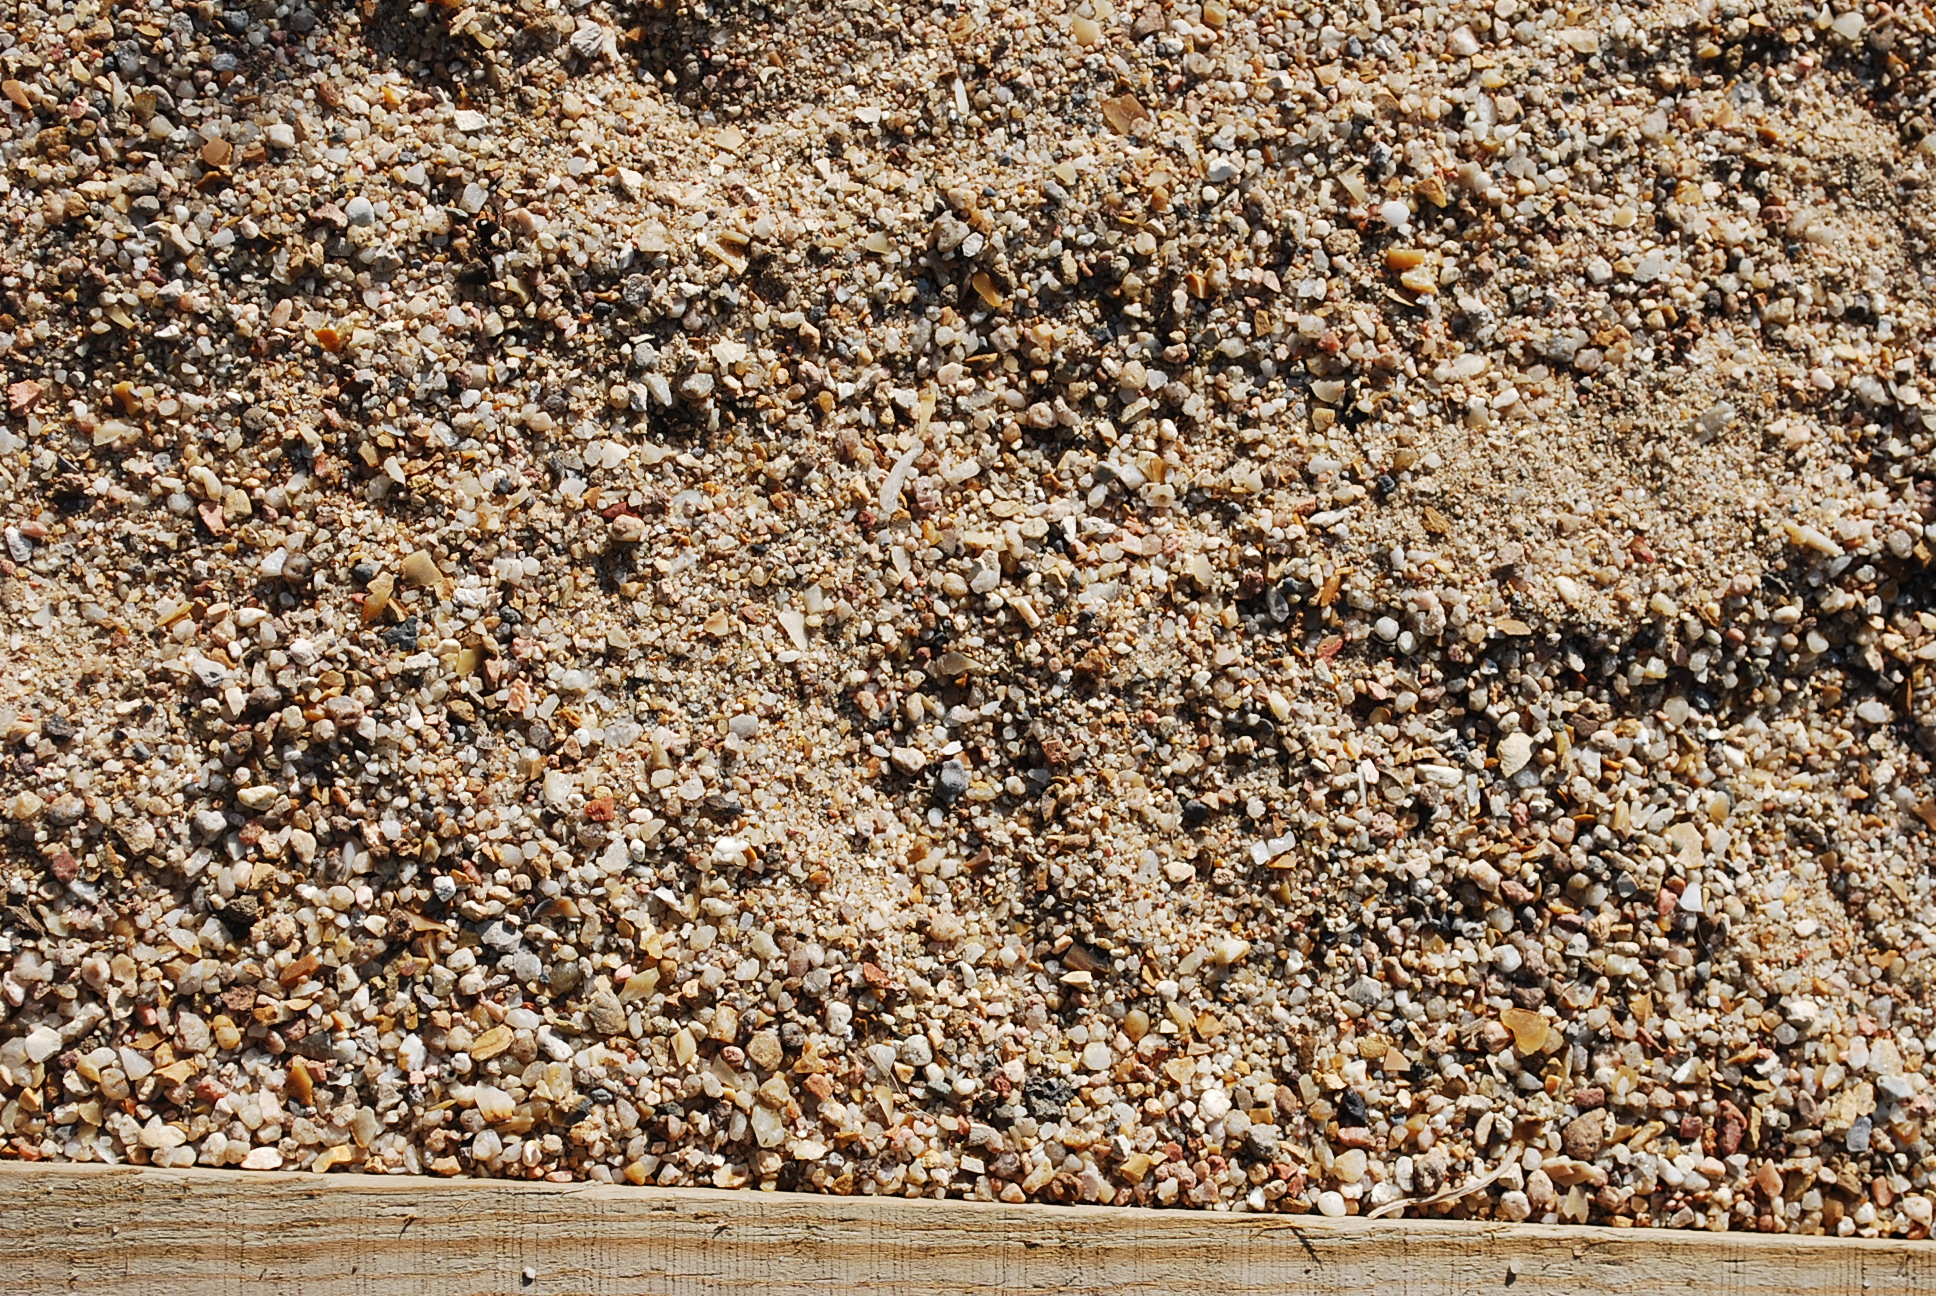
132 1232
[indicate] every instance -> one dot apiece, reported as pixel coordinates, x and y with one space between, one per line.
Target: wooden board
111 1231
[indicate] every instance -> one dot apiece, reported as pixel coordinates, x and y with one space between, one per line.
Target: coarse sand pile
1267 608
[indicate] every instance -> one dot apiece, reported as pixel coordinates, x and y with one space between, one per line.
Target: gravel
1258 609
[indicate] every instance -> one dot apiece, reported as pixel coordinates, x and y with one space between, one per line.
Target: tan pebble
491 1043
329 1158
376 597
1529 1030
1421 279
764 1050
1121 112
607 1015
420 570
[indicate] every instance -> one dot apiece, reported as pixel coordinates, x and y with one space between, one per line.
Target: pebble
1515 752
950 782
1584 1135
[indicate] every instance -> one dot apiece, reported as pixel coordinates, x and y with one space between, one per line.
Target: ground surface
1270 608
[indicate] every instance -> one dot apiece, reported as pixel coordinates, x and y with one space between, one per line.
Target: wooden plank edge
110 1230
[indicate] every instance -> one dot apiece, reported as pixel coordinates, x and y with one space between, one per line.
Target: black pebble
403 635
950 783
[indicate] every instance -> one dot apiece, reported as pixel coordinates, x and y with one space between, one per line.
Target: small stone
950 781
135 1065
1515 751
1541 1196
42 1043
158 1137
493 1104
606 1014
492 1042
420 571
1583 1136
1530 1030
1123 112
1367 992
764 1050
257 797
768 1129
1730 1127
